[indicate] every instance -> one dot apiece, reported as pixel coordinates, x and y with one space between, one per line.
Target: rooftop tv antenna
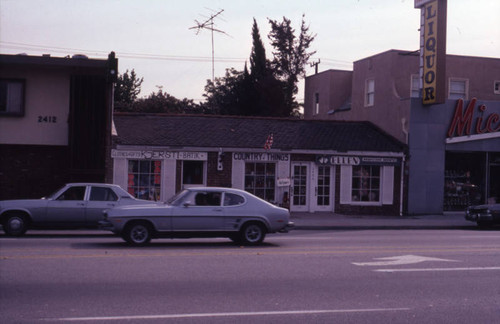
209 24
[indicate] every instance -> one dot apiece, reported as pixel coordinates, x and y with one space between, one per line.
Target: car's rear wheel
138 233
252 234
484 224
15 224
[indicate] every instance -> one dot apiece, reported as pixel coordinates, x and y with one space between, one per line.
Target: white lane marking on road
438 269
198 315
398 260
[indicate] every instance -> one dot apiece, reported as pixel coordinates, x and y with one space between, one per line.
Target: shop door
323 191
193 174
299 194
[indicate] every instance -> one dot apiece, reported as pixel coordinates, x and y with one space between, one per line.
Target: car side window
102 194
207 199
73 193
231 199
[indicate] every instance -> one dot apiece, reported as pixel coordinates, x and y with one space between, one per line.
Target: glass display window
260 180
144 179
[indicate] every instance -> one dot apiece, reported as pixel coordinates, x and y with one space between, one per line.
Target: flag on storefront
269 142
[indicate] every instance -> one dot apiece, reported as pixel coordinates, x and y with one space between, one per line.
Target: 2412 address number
47 119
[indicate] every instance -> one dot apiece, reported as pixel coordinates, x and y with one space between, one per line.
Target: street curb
382 227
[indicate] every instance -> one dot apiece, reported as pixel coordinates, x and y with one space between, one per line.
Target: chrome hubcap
15 223
253 233
139 234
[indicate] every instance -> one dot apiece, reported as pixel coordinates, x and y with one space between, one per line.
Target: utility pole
209 24
315 64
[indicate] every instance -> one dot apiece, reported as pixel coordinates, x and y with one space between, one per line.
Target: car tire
484 225
138 233
252 234
15 225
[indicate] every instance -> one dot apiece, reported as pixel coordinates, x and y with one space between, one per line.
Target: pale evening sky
153 36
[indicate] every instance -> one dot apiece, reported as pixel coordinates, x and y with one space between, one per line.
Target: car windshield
178 198
53 194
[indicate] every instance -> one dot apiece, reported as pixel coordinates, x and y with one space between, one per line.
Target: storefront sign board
159 155
472 121
356 160
257 157
433 51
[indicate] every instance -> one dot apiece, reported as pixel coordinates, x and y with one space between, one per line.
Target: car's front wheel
138 233
15 225
252 234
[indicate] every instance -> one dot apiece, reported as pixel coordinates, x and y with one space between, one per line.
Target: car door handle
80 204
217 209
111 205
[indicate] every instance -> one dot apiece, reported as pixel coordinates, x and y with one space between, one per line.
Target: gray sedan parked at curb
200 212
484 215
76 205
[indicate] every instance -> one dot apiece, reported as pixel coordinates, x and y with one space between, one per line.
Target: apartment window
496 87
11 97
366 183
415 86
144 179
458 89
260 179
316 103
369 92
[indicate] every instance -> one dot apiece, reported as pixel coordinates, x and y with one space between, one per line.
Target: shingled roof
250 132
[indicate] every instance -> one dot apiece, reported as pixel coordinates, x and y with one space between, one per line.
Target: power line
143 56
65 50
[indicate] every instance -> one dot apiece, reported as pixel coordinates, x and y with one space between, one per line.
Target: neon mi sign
463 123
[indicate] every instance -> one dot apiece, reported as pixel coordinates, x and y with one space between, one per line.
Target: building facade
306 166
385 90
55 122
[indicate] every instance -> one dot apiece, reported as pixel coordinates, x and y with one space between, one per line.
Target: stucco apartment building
55 122
454 153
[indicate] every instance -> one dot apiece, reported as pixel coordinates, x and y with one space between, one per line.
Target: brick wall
32 171
216 178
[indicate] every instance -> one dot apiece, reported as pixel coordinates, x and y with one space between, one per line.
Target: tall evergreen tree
290 55
258 60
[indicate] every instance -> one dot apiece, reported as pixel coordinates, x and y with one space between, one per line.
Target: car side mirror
187 204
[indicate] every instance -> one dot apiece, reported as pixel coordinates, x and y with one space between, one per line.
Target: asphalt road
356 276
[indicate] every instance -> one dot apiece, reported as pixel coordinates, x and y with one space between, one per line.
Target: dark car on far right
484 215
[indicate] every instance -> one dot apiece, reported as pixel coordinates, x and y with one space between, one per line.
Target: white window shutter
345 184
388 185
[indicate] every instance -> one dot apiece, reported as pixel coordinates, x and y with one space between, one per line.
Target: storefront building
453 148
310 166
455 155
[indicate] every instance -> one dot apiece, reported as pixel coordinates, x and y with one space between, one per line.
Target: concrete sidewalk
328 220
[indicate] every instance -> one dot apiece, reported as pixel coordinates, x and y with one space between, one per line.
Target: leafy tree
127 88
225 94
290 56
162 102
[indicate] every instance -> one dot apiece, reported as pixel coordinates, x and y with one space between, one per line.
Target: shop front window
144 179
366 183
494 176
260 180
464 180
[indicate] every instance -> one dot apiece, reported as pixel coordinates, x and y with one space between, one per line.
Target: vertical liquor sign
433 50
